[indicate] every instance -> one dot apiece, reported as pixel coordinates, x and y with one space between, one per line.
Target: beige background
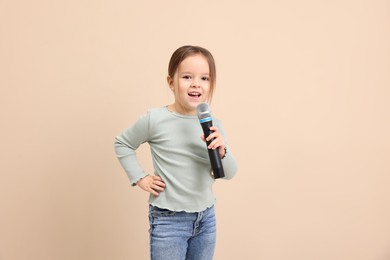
303 90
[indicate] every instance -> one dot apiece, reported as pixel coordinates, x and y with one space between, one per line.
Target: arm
125 146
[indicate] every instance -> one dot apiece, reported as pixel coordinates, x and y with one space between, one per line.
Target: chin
194 104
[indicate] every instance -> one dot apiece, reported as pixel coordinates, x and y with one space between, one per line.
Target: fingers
155 193
158 184
215 134
216 143
216 138
153 184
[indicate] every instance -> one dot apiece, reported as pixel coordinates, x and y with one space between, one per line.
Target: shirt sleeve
229 162
127 143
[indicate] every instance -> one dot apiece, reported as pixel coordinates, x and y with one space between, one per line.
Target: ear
170 82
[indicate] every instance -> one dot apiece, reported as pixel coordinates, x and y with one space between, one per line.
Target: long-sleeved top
179 155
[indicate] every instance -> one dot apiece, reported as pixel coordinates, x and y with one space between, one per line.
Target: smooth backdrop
303 91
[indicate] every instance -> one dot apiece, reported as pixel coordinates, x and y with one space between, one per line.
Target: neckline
180 115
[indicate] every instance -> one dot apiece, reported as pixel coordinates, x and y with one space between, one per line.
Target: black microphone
206 122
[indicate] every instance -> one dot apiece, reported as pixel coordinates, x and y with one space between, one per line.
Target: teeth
194 94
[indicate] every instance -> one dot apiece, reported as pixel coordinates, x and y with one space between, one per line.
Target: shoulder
217 121
157 110
153 112
148 115
157 114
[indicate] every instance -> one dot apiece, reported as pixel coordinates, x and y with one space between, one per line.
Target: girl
181 201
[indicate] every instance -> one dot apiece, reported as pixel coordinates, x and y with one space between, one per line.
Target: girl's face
190 84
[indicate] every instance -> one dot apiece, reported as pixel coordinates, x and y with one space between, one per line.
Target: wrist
142 178
225 152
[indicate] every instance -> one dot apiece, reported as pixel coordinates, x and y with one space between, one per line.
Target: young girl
181 202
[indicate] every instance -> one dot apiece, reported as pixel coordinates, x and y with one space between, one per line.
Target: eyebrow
187 72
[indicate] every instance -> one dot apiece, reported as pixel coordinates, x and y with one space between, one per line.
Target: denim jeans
181 235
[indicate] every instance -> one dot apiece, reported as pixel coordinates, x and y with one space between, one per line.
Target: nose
195 83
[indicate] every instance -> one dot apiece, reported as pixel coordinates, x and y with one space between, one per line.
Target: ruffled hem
187 210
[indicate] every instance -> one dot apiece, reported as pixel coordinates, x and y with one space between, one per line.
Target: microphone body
206 122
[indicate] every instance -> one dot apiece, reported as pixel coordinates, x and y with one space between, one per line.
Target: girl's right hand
152 184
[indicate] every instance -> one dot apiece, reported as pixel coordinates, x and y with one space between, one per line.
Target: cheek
178 87
208 92
207 89
180 91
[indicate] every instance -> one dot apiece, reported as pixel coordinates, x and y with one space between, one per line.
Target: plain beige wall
303 90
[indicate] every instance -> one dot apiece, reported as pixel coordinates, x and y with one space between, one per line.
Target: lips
194 94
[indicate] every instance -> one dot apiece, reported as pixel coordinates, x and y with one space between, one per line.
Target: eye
186 77
206 78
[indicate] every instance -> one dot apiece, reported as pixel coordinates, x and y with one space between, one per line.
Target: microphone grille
203 110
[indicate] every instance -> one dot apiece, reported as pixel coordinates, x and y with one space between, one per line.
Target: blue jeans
181 235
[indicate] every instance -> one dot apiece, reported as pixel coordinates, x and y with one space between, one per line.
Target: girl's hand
152 184
217 143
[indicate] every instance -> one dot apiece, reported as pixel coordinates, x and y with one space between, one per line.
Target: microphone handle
215 160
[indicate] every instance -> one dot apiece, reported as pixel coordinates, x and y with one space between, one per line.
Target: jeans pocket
156 212
158 216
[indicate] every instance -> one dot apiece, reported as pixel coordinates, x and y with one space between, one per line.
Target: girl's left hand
217 143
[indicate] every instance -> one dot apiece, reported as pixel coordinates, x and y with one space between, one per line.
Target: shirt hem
179 209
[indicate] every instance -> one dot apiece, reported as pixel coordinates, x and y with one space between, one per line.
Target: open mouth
194 94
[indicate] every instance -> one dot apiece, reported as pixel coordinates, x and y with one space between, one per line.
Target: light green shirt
180 158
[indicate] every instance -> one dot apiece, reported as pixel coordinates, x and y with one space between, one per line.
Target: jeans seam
197 224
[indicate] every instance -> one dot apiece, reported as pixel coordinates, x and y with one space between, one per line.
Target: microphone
206 122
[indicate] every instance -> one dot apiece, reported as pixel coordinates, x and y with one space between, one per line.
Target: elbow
230 172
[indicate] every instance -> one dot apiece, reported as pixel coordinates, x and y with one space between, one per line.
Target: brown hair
183 52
